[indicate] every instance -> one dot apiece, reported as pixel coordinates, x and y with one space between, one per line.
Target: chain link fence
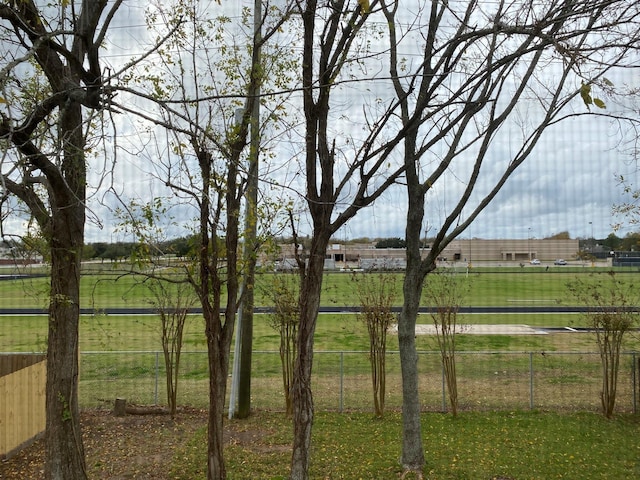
559 381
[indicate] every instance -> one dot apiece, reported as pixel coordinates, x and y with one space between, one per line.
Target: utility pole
245 327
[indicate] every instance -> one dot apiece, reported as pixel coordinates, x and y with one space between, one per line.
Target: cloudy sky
568 184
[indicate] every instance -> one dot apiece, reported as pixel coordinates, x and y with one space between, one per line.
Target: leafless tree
204 90
283 293
377 293
343 172
485 69
172 301
444 294
611 313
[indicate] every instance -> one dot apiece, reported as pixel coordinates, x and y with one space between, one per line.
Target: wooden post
120 407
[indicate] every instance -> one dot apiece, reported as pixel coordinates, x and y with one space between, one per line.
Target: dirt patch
118 448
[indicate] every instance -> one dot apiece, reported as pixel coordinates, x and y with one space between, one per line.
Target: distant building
480 250
368 257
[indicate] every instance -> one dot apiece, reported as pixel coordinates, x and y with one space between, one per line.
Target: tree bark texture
302 396
219 325
64 448
65 451
412 449
50 145
218 372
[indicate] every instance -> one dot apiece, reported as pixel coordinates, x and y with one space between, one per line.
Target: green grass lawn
478 444
473 446
486 288
111 289
494 370
335 332
135 373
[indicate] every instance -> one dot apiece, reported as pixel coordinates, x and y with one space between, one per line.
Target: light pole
344 259
529 242
593 246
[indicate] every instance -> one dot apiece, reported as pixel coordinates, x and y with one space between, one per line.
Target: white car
535 261
560 261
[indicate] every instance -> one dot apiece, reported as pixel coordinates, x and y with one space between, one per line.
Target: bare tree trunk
171 392
218 372
64 448
219 332
301 391
324 53
376 295
53 186
609 344
251 227
173 327
412 450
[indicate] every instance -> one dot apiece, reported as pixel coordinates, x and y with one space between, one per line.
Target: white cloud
568 182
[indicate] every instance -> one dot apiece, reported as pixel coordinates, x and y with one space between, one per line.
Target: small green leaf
607 82
599 103
585 93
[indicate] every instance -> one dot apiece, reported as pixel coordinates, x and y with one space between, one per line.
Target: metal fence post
157 376
635 372
341 380
531 402
444 390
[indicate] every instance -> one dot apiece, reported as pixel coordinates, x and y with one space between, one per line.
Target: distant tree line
391 243
630 242
179 247
184 246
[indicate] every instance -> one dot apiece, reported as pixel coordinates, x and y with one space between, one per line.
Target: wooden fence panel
10 363
22 403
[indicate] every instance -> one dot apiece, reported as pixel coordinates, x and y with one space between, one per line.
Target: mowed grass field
122 351
494 436
106 287
485 287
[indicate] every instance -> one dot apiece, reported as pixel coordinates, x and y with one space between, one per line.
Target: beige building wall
462 250
479 250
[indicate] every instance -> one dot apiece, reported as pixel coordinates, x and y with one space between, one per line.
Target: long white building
367 256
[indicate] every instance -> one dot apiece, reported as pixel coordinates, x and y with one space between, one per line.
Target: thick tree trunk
218 372
64 448
209 288
65 235
412 450
246 332
301 390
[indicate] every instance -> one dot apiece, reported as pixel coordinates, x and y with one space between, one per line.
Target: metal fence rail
493 380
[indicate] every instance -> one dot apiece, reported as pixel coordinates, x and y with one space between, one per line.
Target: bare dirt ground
118 448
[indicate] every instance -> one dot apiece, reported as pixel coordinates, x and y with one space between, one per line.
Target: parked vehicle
535 261
560 261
